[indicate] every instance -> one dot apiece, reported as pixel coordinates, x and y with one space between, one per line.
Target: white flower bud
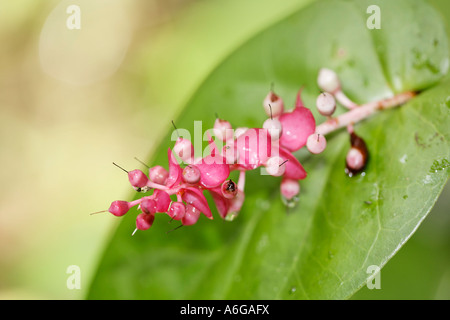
328 80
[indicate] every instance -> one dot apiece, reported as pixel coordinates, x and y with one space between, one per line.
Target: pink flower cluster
178 191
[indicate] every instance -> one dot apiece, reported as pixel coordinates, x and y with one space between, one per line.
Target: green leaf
323 247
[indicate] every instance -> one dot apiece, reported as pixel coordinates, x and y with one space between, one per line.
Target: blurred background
72 101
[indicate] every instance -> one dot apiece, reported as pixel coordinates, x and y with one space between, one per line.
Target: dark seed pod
357 156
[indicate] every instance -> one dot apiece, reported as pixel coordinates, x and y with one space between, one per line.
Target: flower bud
328 80
137 178
144 221
229 189
119 208
273 105
289 188
158 174
191 174
273 126
316 143
191 215
148 205
275 166
184 149
326 104
223 130
176 210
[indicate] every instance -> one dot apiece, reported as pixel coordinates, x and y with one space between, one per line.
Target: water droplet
231 216
292 290
330 255
291 203
438 166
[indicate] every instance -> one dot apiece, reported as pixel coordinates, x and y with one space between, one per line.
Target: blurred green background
73 102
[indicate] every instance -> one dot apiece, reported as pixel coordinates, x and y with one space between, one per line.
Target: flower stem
362 112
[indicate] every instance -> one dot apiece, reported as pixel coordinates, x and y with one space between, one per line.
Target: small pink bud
289 188
276 166
137 178
119 208
144 221
184 149
176 210
326 104
229 189
328 80
191 174
273 126
148 205
355 160
273 105
191 215
158 174
223 130
316 143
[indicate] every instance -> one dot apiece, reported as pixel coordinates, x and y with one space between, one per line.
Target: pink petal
298 101
195 197
254 147
163 200
174 170
236 203
213 171
297 125
222 204
294 169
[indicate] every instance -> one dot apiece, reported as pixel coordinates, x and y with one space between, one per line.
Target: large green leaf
322 248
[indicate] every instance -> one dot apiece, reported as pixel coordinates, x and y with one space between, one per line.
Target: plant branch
362 112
